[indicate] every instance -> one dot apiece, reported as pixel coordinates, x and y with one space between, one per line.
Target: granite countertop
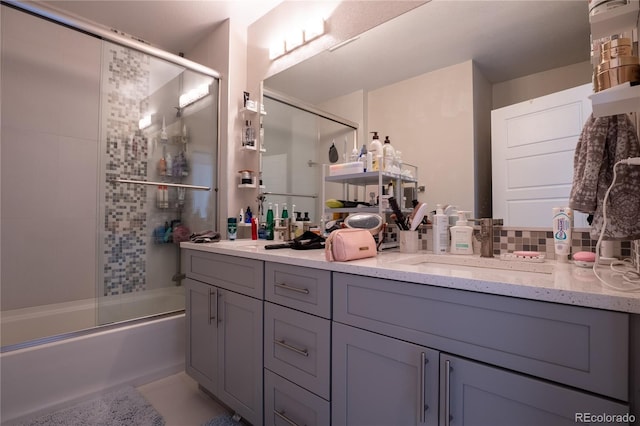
567 284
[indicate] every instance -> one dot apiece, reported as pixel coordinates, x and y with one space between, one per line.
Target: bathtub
42 378
22 325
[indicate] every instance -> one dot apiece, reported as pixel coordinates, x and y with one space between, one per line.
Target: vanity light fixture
193 95
312 30
294 40
144 122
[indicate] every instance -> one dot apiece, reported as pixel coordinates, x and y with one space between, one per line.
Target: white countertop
568 284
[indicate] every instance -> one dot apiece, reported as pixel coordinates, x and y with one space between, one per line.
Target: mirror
460 53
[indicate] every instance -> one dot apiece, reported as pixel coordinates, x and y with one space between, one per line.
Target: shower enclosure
109 159
297 140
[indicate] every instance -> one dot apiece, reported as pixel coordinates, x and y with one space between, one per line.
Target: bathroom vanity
284 337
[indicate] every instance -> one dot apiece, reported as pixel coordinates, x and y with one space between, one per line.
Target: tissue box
346 168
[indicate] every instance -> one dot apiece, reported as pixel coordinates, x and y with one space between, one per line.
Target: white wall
541 84
430 119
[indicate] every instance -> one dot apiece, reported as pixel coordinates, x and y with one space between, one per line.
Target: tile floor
179 400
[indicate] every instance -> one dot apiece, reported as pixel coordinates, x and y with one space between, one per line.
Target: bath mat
121 407
223 420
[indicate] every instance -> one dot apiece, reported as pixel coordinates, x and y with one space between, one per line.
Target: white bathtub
22 325
42 378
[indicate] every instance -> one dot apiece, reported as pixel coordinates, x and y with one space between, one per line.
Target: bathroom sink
479 262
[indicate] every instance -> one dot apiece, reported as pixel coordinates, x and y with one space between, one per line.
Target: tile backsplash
506 240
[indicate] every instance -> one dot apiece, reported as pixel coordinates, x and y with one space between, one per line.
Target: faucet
486 234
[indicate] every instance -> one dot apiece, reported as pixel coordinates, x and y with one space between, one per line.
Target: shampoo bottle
462 235
440 231
270 222
376 152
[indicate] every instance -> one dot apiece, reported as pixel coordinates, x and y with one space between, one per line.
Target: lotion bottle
440 231
388 154
462 235
375 147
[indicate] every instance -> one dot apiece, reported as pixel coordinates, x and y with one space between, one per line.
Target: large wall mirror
429 79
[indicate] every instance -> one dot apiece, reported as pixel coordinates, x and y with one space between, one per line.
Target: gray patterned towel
605 141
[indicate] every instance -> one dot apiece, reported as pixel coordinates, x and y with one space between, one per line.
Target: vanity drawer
285 404
304 289
244 276
297 347
581 347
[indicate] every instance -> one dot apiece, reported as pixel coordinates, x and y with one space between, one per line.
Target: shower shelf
174 185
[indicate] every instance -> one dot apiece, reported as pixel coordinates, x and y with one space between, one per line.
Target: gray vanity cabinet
477 394
297 342
377 380
525 362
224 330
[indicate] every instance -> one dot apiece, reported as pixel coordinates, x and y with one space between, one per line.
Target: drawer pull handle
285 418
296 289
282 343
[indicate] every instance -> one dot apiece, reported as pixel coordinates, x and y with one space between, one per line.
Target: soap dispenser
388 155
462 235
376 152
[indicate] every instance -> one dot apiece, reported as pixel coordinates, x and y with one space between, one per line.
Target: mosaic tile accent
510 240
124 90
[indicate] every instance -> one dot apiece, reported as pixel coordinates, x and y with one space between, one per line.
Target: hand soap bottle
440 231
376 152
388 155
462 235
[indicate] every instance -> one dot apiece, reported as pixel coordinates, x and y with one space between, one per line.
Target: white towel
605 141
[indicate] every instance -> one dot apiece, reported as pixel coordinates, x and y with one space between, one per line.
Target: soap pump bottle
440 231
462 235
388 155
375 147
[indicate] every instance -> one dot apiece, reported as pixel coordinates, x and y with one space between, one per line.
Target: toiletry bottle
376 152
440 231
388 155
363 156
462 235
254 228
163 134
232 228
270 222
562 223
162 165
241 216
285 213
169 164
248 215
354 154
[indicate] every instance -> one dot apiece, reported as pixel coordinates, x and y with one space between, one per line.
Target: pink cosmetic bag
349 244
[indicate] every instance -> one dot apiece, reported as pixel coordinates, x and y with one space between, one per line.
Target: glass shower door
158 150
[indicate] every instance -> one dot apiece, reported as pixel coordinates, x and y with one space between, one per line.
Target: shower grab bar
287 194
175 185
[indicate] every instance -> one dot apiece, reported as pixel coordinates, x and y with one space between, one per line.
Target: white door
532 148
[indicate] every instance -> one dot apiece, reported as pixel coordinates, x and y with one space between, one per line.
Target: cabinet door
201 312
477 394
380 381
240 354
